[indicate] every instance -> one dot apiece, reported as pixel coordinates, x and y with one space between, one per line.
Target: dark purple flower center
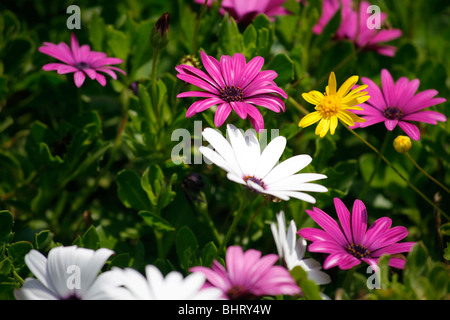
259 182
238 292
393 113
72 296
359 251
231 94
82 65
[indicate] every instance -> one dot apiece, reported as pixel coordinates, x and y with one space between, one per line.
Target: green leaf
209 254
6 225
186 248
284 66
5 269
117 42
17 252
445 229
121 260
309 288
130 190
42 240
155 221
230 39
96 32
90 238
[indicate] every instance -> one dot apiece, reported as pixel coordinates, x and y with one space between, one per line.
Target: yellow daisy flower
334 104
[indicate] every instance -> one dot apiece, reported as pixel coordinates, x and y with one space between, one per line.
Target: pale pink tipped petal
428 116
79 77
375 231
256 118
394 248
212 66
388 87
91 73
202 105
106 61
397 263
328 224
250 71
344 218
359 222
391 124
376 96
111 73
222 113
240 108
386 35
200 94
410 129
74 46
101 79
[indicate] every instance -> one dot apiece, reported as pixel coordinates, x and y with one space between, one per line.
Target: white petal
270 156
254 150
241 150
287 168
235 178
295 194
155 280
37 263
33 289
214 157
223 148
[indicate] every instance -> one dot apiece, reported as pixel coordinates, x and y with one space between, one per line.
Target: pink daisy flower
232 84
351 242
354 26
81 61
248 275
246 11
398 103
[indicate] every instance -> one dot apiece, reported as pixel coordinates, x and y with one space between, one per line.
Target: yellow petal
325 128
348 84
310 98
309 119
333 124
332 83
346 118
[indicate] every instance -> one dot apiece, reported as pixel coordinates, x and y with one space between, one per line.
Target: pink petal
212 66
250 71
359 222
226 66
240 108
376 96
376 231
344 218
202 105
390 124
425 116
406 92
79 78
410 129
388 87
201 94
91 73
105 61
328 224
222 113
101 79
255 118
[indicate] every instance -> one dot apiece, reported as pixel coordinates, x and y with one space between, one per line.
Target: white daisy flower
157 287
292 250
244 163
69 273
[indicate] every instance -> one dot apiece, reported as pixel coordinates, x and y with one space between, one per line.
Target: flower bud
402 144
159 35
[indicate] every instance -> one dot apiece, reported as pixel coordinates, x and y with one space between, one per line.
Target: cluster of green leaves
92 166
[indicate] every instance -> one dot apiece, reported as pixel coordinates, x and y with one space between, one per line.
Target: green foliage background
92 166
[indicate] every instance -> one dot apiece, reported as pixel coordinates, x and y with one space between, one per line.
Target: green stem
251 222
197 26
398 173
237 216
426 173
298 106
154 97
18 278
377 165
79 101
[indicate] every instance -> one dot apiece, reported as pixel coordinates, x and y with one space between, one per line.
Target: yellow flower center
329 106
